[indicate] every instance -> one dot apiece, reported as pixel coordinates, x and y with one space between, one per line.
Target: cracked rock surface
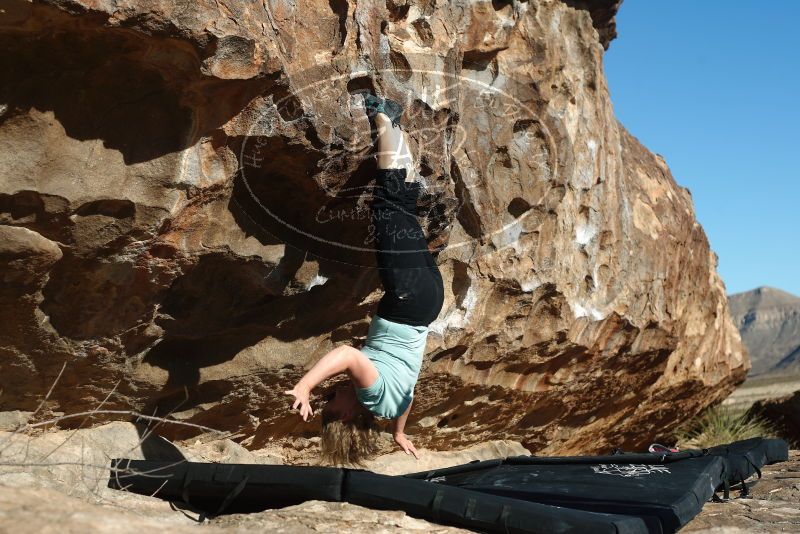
182 219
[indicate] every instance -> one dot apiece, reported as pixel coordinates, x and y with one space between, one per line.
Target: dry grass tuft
719 425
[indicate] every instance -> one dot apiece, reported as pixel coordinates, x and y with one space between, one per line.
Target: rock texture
773 504
603 14
76 462
182 194
48 511
784 413
57 482
768 320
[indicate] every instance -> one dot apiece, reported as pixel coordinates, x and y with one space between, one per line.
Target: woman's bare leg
393 151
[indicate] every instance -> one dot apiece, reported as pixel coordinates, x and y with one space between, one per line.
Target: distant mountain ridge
768 320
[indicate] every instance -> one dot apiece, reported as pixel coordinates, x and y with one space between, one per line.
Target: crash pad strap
233 494
751 462
745 491
503 519
469 510
187 478
436 505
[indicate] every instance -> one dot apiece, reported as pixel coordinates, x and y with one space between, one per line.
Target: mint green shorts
396 349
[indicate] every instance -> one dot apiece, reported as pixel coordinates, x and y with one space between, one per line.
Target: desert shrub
720 424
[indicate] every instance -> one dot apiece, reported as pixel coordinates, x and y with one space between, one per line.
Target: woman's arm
400 423
343 358
399 435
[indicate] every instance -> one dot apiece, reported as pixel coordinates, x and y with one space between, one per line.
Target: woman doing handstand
384 371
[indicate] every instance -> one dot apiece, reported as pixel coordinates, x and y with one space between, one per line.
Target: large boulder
183 191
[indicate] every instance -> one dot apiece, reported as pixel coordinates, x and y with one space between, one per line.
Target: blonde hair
349 442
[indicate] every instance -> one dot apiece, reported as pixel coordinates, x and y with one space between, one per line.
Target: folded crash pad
665 490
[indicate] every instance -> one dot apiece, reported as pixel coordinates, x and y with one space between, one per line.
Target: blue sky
713 86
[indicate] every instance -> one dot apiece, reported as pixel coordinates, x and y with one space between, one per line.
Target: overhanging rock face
184 196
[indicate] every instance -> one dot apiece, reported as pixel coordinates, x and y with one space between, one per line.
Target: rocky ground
773 504
44 510
56 482
774 501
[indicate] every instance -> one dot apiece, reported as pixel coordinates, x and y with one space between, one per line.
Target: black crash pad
628 493
665 490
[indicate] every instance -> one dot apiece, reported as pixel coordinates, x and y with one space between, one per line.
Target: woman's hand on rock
405 444
301 395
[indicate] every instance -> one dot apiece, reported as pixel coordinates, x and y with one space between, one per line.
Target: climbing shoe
376 104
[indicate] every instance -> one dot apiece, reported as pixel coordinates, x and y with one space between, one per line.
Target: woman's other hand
301 395
405 444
